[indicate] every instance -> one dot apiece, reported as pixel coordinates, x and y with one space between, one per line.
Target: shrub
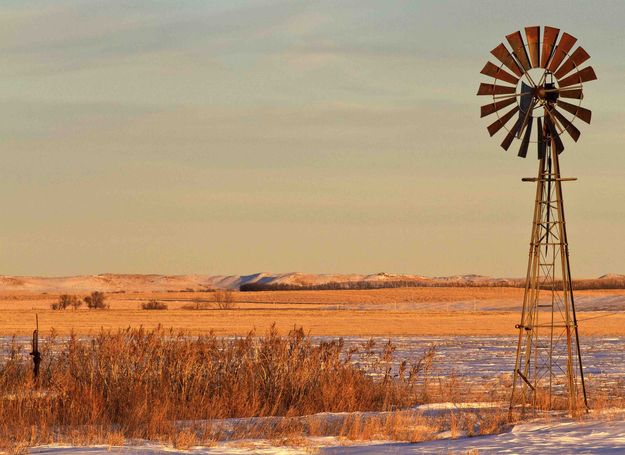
224 299
197 304
153 305
66 301
96 301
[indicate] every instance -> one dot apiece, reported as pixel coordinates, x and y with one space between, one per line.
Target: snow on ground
236 448
593 436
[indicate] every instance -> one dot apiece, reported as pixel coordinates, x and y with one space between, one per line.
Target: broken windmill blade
531 80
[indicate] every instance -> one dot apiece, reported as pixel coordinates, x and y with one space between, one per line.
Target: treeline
598 283
347 285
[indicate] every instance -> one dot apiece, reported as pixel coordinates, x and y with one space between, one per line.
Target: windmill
538 83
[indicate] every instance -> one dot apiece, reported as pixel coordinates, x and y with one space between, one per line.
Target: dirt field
383 312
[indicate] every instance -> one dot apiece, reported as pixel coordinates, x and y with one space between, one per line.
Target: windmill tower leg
548 370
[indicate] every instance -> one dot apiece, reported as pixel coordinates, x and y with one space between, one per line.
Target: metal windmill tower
533 78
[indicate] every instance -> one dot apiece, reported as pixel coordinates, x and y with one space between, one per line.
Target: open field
382 312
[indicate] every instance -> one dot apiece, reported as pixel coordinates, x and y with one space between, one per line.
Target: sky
233 137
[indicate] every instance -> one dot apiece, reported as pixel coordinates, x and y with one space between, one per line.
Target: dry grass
318 311
139 384
318 322
286 299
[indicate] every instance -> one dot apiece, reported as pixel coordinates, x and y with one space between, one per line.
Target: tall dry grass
141 384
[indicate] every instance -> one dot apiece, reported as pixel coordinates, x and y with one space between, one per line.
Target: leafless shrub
65 301
224 299
153 305
197 304
96 301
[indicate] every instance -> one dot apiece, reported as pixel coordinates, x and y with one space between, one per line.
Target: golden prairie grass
142 384
386 323
128 300
321 312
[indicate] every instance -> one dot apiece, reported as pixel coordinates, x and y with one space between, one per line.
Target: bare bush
153 305
197 304
65 301
224 299
96 301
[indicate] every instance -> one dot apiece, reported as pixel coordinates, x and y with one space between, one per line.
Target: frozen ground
583 302
596 437
485 359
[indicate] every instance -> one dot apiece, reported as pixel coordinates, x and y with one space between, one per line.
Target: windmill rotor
531 79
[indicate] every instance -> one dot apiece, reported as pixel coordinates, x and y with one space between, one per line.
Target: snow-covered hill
110 282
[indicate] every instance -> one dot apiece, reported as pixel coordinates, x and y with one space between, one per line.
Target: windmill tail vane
531 81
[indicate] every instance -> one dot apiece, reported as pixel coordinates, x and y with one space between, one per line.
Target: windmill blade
578 57
549 39
493 89
561 50
526 139
494 107
577 111
566 124
513 131
492 70
518 49
533 43
584 75
501 121
542 143
525 100
525 105
502 54
553 133
575 93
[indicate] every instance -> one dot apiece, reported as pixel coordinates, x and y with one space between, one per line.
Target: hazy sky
242 136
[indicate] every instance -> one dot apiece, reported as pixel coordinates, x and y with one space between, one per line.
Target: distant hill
109 282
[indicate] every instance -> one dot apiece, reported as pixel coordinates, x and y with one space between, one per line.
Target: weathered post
35 352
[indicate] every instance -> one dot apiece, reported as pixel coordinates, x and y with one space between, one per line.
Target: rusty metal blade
562 49
566 124
513 131
502 54
494 107
501 121
550 36
493 89
577 111
553 133
526 139
542 143
533 43
575 93
492 70
584 75
578 57
518 49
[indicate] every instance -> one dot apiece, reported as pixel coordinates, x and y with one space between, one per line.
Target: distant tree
224 300
66 301
96 301
76 302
